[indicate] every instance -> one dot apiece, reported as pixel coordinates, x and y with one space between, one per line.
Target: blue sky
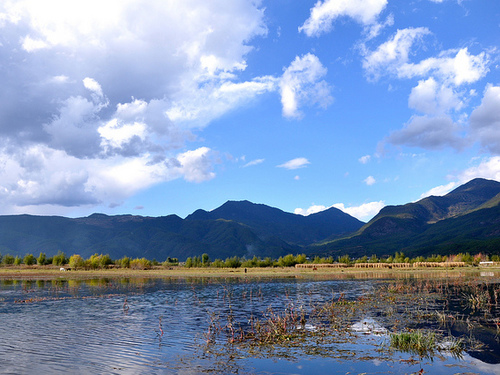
163 107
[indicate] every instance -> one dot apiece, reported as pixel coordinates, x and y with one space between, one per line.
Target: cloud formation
439 96
325 12
485 120
370 180
362 212
295 163
301 84
117 90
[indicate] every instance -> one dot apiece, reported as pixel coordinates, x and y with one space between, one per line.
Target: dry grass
51 272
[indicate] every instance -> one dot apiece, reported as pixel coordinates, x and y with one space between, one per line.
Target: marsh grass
415 316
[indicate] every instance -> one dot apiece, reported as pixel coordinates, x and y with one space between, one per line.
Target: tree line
77 262
101 261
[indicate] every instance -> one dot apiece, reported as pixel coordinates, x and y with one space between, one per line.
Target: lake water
160 326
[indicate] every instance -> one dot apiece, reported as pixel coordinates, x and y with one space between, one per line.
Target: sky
163 107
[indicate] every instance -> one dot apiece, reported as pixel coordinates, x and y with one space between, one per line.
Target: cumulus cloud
488 168
430 97
40 175
440 190
120 87
325 12
389 56
362 212
485 120
370 180
429 132
301 84
439 95
454 67
295 163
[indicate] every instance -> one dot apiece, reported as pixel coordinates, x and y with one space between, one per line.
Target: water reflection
148 326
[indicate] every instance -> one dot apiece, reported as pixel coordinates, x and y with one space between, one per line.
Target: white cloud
39 176
254 162
115 89
440 190
295 163
364 159
300 84
430 97
485 120
430 132
457 70
370 180
362 212
324 13
389 56
196 165
488 168
93 85
115 135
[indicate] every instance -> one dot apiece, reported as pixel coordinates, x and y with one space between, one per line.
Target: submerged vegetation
426 318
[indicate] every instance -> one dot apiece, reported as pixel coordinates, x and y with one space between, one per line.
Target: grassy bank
51 272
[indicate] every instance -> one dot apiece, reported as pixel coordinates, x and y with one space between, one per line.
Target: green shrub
233 262
41 260
170 262
29 259
124 262
59 259
140 264
17 261
219 263
8 259
76 262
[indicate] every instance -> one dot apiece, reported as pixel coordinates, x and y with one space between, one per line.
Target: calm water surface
153 326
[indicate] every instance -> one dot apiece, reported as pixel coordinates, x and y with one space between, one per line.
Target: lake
247 326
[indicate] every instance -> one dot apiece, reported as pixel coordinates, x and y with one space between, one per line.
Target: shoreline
47 273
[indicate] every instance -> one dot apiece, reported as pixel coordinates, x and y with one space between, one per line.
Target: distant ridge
434 224
466 219
235 228
269 221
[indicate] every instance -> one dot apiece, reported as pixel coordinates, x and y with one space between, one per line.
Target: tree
8 259
17 260
205 260
76 262
29 259
59 259
124 262
41 260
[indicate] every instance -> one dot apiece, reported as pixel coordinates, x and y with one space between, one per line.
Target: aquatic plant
424 343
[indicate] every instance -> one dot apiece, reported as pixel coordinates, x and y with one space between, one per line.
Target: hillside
235 228
466 219
267 222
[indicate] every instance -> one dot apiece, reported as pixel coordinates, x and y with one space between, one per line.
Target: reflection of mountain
465 220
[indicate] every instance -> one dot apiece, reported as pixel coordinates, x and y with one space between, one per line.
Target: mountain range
466 219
